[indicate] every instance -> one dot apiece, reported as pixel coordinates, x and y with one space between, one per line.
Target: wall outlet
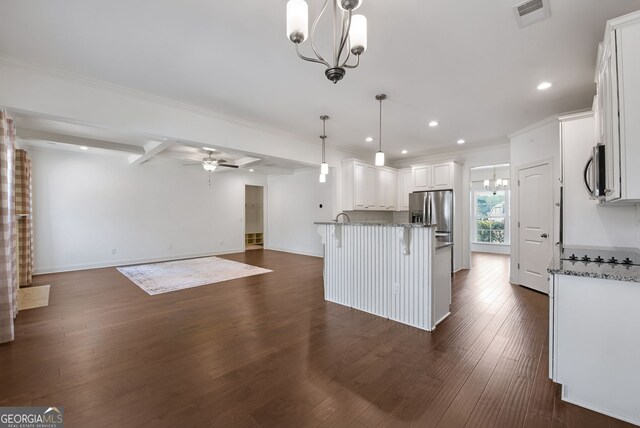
114 250
396 289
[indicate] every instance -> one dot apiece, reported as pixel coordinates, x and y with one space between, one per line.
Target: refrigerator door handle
429 210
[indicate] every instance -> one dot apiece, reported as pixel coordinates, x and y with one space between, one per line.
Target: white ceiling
464 63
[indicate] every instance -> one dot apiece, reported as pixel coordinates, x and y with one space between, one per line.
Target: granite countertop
617 272
375 223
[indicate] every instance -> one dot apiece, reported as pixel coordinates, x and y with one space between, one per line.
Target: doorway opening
253 217
490 213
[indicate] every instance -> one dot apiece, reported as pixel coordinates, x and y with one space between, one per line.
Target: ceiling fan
209 163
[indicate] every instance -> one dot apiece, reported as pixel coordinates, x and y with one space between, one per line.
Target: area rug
33 297
158 278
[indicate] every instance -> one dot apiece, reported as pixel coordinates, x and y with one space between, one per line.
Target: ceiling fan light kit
349 34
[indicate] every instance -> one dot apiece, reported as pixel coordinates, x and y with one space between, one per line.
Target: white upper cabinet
387 188
370 196
405 186
359 186
422 178
618 107
433 177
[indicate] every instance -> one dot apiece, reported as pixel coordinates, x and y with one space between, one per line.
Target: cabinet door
381 175
370 177
441 177
608 110
358 187
422 177
405 186
391 189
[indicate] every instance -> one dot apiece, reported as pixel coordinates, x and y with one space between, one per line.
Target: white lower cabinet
594 344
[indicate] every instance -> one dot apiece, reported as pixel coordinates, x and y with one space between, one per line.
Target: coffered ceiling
466 64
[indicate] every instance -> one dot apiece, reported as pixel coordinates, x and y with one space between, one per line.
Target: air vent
531 11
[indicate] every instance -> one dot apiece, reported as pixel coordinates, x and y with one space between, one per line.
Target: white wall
85 205
293 203
536 144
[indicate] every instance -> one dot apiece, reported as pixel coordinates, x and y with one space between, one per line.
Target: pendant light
324 166
380 153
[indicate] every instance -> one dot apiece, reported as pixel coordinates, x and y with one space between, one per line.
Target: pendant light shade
358 34
324 168
380 154
323 178
297 20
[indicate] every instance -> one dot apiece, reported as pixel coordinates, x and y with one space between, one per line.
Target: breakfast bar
394 270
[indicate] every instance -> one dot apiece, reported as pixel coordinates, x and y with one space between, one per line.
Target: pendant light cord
380 129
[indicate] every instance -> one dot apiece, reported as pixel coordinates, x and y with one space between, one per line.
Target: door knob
544 235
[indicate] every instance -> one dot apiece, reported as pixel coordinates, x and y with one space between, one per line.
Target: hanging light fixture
380 153
324 166
349 34
494 185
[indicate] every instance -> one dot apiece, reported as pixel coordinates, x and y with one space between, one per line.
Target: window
491 217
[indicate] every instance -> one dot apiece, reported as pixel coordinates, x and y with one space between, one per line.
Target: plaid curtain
8 250
25 222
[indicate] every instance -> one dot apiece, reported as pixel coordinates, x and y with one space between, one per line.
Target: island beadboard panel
385 270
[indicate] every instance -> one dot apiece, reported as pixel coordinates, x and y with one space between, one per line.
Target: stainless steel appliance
595 173
434 207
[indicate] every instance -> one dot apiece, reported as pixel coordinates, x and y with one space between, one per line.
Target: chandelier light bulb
297 20
380 159
486 184
323 178
324 168
358 34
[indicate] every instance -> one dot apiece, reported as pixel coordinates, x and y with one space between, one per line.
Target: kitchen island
394 270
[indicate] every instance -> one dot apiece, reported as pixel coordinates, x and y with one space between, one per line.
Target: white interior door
535 211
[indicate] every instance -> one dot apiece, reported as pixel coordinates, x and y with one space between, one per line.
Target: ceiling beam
29 134
151 149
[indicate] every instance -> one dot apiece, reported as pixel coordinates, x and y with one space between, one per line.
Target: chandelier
494 185
324 166
349 34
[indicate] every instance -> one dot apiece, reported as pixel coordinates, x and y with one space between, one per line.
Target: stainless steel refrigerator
434 207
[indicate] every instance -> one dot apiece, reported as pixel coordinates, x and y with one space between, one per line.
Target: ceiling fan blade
192 164
228 165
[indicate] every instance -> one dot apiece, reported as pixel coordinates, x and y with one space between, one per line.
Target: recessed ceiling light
209 149
434 123
84 148
461 141
251 170
544 85
368 139
404 152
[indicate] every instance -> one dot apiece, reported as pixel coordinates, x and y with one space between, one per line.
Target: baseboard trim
86 266
596 409
302 253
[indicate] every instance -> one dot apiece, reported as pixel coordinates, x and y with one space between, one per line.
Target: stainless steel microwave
595 173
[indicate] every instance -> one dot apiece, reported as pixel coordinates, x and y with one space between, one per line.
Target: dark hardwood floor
269 351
